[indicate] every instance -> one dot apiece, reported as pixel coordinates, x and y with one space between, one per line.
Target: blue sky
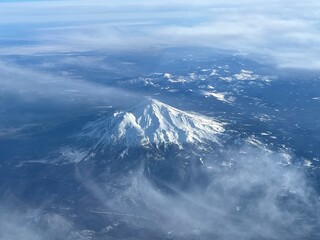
284 31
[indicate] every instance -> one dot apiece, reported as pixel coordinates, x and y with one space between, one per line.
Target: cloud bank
281 30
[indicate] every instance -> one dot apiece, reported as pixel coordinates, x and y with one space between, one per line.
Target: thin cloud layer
255 199
280 30
27 83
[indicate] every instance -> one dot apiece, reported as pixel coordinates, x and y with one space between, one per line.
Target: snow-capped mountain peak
153 122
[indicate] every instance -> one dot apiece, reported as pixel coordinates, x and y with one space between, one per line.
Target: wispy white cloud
35 86
283 30
255 199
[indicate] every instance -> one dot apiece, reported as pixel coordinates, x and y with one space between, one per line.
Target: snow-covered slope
153 122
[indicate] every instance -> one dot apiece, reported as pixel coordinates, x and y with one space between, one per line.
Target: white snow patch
228 79
219 96
226 164
72 155
255 142
214 72
263 117
167 75
264 134
307 163
193 76
286 158
246 75
177 80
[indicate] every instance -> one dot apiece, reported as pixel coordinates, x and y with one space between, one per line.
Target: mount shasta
153 123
